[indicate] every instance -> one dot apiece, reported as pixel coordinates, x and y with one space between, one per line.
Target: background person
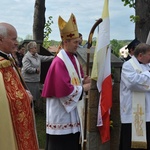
63 89
17 122
135 100
131 47
31 69
20 54
80 40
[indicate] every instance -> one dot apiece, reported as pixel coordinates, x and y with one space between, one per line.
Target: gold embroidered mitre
68 30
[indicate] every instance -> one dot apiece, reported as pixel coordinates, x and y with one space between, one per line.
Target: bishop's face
71 45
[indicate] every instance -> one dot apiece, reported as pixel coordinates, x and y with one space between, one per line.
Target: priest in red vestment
17 128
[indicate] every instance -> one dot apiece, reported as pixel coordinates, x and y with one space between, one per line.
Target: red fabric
20 109
105 129
106 103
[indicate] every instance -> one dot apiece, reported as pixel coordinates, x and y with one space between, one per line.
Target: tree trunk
142 27
39 20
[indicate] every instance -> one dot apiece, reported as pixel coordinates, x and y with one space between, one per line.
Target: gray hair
31 45
3 30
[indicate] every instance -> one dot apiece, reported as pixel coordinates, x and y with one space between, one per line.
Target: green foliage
116 45
54 43
41 128
94 41
131 3
134 18
47 32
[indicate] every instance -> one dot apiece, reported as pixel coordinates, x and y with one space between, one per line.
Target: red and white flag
101 72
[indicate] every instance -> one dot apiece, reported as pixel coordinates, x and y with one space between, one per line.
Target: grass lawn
40 125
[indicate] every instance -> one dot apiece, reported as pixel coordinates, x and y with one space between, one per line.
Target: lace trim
63 126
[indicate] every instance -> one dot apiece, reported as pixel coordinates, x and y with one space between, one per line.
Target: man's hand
87 79
87 83
30 97
86 87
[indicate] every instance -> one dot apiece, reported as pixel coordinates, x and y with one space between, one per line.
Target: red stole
21 112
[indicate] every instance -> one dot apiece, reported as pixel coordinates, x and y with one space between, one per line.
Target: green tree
141 17
54 43
47 32
116 46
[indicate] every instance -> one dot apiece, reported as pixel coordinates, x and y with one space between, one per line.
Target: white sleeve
135 81
70 102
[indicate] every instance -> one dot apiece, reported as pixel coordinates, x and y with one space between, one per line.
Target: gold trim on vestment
137 144
138 113
4 63
19 112
7 138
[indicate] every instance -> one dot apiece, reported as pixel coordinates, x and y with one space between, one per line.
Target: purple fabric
57 82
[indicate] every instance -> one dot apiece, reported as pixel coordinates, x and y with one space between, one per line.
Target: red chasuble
20 108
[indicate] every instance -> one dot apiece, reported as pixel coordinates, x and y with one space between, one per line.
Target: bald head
8 37
5 28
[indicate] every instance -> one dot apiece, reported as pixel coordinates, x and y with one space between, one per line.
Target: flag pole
90 43
87 73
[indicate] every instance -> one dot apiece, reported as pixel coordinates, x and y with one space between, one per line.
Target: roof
82 52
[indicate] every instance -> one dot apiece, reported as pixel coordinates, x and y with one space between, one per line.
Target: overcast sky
20 14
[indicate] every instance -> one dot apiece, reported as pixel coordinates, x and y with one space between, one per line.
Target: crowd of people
64 90
64 87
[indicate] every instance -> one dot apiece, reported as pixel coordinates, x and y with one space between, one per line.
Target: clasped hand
87 83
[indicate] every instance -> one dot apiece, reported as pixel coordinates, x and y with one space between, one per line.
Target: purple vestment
57 82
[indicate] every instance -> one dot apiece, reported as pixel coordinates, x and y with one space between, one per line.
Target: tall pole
87 73
90 43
